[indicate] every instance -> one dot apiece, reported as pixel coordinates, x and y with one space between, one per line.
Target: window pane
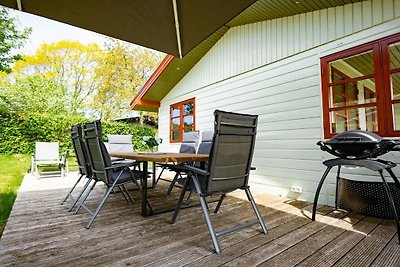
188 108
395 85
394 50
351 67
191 129
354 119
396 116
188 121
176 123
358 92
175 135
175 112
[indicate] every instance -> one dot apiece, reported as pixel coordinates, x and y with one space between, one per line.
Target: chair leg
321 182
181 196
392 204
127 192
103 200
81 193
85 197
171 186
204 207
72 189
100 206
188 197
257 212
219 203
158 178
122 192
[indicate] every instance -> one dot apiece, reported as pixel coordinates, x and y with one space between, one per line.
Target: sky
46 30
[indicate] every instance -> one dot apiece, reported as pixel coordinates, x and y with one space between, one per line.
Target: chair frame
211 180
102 173
82 158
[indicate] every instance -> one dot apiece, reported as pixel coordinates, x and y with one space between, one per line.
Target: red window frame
381 75
181 117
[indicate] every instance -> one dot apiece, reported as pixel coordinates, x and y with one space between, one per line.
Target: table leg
154 175
144 188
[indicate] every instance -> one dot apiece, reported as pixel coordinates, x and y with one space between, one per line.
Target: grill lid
355 137
357 144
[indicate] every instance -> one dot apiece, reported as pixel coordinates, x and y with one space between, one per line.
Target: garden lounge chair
227 170
112 175
82 159
47 155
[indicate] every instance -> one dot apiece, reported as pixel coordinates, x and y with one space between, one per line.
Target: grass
12 170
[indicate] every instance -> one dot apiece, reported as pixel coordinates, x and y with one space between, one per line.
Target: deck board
41 232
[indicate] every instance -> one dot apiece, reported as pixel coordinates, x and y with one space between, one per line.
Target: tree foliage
95 81
70 64
121 72
19 133
11 37
32 94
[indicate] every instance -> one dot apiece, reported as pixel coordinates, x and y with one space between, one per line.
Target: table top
161 157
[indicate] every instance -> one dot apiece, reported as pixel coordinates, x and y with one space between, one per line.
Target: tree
11 37
67 63
98 83
121 72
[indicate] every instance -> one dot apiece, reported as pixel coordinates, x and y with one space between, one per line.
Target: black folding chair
117 174
228 168
82 159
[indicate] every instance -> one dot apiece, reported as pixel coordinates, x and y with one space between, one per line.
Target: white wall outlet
296 189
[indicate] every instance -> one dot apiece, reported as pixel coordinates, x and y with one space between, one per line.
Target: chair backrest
189 142
80 150
98 155
232 151
47 151
119 143
205 144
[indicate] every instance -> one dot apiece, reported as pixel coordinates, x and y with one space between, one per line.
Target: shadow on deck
41 232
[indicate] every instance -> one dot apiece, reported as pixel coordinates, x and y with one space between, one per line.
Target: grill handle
326 148
388 145
350 138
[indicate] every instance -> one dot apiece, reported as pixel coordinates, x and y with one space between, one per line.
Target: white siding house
272 68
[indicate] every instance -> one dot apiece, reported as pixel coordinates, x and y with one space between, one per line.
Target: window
182 116
361 89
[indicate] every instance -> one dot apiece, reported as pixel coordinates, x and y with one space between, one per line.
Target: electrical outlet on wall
296 189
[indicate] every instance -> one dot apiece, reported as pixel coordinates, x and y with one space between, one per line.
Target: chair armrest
122 165
196 170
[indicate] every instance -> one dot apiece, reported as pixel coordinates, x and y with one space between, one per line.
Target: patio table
159 157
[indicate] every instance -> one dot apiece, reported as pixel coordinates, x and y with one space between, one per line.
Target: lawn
12 170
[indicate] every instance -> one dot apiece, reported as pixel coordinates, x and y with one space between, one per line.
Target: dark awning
149 23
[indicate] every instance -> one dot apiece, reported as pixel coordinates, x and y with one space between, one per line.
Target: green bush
18 134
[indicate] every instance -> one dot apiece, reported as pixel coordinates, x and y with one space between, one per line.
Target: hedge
18 134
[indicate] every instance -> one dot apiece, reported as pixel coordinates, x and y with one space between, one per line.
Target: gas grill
360 149
358 145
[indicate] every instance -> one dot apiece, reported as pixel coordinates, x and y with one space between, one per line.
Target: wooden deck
41 232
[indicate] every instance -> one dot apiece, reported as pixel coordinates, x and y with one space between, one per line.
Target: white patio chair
47 154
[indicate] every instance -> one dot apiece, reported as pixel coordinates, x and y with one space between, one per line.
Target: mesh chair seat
125 176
